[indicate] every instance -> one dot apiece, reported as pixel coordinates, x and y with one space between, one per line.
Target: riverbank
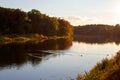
6 39
107 69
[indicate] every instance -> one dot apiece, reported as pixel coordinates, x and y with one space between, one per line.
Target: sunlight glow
117 11
117 8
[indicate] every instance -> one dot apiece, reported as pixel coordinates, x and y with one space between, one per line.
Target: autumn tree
16 21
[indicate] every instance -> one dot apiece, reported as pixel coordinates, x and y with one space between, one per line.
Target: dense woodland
98 30
16 21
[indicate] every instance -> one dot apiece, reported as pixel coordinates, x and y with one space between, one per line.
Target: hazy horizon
77 12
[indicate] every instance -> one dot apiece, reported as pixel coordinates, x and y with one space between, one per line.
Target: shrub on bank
105 70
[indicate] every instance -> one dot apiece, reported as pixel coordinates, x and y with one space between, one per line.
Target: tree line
98 30
16 21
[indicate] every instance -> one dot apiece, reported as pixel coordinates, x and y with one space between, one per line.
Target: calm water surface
52 59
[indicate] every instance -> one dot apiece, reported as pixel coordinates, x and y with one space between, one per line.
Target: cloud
79 20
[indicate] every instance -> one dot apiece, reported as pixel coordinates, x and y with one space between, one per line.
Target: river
61 59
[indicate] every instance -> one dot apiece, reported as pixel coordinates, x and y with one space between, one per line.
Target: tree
16 21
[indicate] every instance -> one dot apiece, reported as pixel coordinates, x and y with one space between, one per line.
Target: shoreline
7 39
107 69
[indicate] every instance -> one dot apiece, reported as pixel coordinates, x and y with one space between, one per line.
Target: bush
106 70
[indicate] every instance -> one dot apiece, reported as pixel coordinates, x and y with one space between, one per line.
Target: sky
77 12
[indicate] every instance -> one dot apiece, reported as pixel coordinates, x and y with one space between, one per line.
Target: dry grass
7 40
106 70
13 38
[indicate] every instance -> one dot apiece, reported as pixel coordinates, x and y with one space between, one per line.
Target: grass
13 38
7 40
105 70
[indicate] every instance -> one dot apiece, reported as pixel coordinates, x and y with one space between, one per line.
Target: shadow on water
17 54
97 39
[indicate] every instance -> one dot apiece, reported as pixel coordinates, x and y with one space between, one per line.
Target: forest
98 30
16 21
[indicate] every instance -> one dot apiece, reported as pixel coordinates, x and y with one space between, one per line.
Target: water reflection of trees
97 39
13 54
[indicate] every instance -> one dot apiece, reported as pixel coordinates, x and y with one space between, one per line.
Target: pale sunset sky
77 12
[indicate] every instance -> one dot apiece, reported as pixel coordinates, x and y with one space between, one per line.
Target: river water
61 59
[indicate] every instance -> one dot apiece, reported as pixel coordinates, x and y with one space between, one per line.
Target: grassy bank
106 70
6 39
